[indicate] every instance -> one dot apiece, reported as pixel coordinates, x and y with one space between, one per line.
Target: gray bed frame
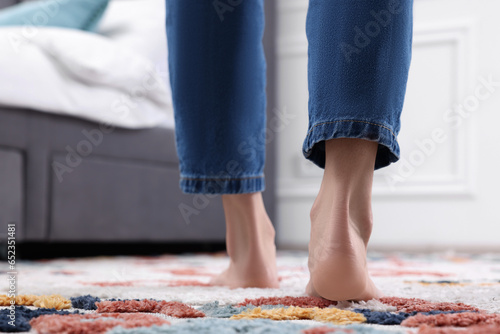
125 190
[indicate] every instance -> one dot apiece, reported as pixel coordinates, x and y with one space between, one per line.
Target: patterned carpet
437 293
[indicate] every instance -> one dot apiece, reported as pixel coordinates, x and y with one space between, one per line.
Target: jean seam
351 120
222 179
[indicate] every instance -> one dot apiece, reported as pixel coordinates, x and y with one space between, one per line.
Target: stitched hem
388 148
243 185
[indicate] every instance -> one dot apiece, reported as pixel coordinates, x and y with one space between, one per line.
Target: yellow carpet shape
332 315
46 301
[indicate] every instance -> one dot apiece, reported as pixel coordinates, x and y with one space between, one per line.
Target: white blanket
81 74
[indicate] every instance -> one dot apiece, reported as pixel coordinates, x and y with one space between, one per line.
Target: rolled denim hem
388 148
243 185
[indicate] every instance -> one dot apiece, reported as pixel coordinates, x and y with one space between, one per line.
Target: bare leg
250 244
341 223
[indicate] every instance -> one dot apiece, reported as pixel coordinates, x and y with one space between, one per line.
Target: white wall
446 197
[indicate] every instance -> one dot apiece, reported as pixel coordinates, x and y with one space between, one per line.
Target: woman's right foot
341 224
337 256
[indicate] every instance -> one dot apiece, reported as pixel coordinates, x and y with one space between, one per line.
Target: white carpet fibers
473 280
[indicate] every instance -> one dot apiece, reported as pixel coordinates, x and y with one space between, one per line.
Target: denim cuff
388 148
243 185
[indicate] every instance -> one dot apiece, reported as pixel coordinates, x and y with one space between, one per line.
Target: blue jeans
359 56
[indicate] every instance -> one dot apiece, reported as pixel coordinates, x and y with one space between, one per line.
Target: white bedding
86 75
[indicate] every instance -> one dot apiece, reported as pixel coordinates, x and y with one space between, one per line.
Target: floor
461 289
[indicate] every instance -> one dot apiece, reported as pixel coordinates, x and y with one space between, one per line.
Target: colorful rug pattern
428 294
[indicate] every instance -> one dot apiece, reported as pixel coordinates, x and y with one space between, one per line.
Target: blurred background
87 154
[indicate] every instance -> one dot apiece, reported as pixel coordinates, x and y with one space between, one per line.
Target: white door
445 190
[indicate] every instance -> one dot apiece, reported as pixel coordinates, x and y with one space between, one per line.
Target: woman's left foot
250 244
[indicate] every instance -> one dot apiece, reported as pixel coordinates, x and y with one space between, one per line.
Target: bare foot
341 223
250 244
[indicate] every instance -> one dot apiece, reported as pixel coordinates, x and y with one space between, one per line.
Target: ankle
342 208
251 243
250 233
245 211
363 227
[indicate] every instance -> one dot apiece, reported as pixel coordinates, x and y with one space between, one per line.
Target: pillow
75 14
